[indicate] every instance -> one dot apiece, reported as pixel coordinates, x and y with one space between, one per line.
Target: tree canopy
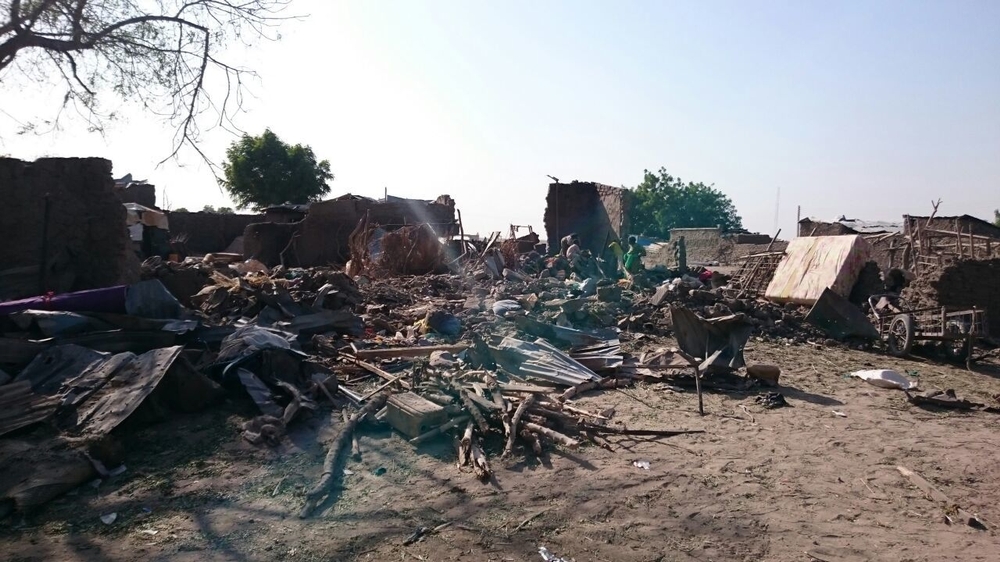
262 171
161 54
662 202
996 217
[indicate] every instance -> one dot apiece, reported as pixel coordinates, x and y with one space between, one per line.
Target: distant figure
619 253
566 242
680 254
633 258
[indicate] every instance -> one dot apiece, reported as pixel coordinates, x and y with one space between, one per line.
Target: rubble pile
490 347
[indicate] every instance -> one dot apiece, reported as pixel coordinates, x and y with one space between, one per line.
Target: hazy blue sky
868 109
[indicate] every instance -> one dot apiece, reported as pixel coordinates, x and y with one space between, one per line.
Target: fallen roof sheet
128 384
540 360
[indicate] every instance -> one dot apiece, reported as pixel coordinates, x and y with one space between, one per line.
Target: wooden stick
465 446
454 422
585 386
479 464
335 453
472 408
552 434
642 432
569 408
355 444
940 497
326 391
419 351
521 408
384 374
697 379
384 386
531 518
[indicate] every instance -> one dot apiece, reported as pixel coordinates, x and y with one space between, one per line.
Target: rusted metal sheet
130 380
32 396
20 406
56 365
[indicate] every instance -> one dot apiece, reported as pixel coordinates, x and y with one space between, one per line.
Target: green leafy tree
262 171
662 202
181 210
208 209
224 210
996 217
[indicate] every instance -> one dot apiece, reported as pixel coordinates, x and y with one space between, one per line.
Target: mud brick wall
265 241
594 211
322 237
979 227
750 239
87 238
701 244
887 252
209 232
141 193
970 284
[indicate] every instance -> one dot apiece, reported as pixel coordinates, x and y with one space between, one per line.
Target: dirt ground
789 484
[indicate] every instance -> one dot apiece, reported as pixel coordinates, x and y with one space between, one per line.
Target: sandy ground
790 484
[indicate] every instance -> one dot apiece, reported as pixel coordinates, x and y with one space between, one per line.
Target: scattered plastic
379 471
548 556
504 307
886 378
348 472
250 266
641 464
150 532
109 518
839 414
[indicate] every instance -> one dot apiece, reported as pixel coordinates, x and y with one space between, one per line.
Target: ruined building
598 213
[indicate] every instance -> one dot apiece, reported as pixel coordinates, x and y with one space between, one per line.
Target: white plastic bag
886 378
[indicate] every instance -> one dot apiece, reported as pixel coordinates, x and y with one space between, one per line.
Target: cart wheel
901 335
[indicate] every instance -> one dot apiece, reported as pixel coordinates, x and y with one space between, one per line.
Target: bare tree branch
157 53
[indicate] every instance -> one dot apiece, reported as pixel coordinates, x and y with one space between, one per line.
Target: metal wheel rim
897 335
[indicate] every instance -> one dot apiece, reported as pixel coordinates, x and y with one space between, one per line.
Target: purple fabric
109 299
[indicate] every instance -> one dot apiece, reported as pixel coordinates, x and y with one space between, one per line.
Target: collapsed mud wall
598 213
701 244
961 285
209 232
87 244
322 238
265 241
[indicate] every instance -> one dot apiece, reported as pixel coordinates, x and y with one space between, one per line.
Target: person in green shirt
633 258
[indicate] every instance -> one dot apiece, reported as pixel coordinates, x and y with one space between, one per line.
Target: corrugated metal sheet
21 407
125 389
813 264
96 391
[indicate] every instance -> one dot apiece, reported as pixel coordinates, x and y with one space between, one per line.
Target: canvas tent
813 264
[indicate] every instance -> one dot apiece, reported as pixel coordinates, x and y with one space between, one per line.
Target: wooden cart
900 326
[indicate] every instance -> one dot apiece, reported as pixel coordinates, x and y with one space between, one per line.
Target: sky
864 109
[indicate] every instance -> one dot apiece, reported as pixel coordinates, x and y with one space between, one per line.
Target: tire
901 335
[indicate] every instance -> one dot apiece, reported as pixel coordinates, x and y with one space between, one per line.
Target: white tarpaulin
813 264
